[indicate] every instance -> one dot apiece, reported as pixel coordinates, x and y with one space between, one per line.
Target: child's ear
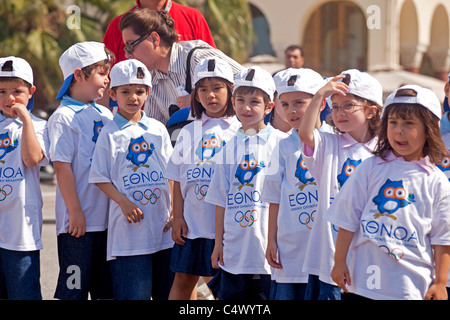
371 112
32 90
78 74
112 94
269 107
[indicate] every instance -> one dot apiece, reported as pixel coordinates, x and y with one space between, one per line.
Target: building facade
371 35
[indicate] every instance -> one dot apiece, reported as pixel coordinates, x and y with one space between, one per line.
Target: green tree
41 30
38 31
231 25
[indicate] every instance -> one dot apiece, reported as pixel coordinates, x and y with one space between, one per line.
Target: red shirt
189 23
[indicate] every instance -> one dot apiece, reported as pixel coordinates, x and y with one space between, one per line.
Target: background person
150 37
189 24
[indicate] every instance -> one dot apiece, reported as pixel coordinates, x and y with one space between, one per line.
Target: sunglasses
129 47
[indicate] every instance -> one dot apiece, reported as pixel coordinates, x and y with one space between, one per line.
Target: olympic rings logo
147 196
246 219
305 219
200 192
5 191
395 253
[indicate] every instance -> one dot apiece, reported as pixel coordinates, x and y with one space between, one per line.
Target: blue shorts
142 277
194 257
83 268
287 291
319 290
19 275
228 286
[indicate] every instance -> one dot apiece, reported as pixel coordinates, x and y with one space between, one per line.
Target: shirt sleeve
101 160
63 139
314 158
167 148
271 191
177 158
440 223
41 130
219 185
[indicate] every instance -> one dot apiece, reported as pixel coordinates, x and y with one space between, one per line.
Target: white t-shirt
73 131
445 163
198 146
133 157
334 159
397 209
296 192
445 167
20 193
236 186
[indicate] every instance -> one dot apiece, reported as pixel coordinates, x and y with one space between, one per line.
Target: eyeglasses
129 47
346 107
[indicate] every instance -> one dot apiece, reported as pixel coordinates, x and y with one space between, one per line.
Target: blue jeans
142 277
19 275
287 291
319 290
83 268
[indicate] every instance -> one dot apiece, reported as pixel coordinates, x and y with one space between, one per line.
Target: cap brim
64 87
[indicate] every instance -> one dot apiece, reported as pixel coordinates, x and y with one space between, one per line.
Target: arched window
262 44
335 38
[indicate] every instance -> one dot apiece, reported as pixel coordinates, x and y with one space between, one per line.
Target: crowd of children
357 207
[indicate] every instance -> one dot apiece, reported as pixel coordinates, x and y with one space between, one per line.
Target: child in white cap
445 132
292 191
235 190
81 208
197 149
129 166
393 215
23 150
356 99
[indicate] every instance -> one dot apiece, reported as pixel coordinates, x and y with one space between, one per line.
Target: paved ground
49 258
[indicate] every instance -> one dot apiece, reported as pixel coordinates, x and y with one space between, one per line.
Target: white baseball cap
78 56
363 85
213 67
18 68
130 71
255 77
293 79
424 96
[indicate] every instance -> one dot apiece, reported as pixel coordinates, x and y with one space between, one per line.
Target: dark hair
145 21
7 79
294 47
374 122
197 108
104 64
434 146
